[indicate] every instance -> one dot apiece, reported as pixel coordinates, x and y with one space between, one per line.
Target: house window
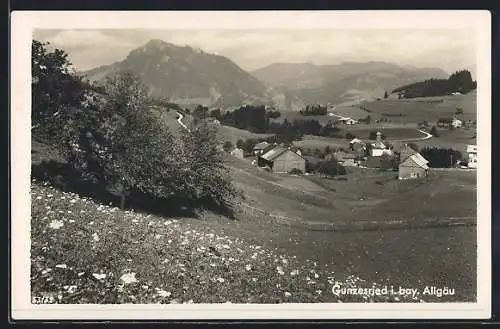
413 175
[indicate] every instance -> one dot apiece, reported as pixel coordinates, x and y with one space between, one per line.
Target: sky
449 49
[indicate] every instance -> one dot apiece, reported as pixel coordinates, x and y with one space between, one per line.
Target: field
312 142
419 109
457 139
143 258
227 133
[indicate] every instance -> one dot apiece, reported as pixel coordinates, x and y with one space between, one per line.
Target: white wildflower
70 289
248 267
128 278
99 276
280 270
56 224
38 197
294 272
163 293
221 280
62 266
287 294
81 273
95 237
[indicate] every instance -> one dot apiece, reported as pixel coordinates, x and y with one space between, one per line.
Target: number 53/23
43 300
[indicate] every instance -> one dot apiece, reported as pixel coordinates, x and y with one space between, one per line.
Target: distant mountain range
191 76
345 82
187 75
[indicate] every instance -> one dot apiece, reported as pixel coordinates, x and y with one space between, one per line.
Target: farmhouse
404 151
238 152
472 156
456 123
260 148
444 122
281 160
379 148
449 122
345 158
349 121
414 166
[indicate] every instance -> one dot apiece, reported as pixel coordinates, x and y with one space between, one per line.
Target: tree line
314 109
460 81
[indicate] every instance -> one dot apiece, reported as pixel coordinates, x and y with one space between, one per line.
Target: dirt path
179 120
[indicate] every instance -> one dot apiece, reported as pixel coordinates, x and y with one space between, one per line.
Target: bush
434 131
295 171
228 146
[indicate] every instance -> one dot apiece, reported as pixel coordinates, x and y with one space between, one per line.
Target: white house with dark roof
260 148
472 156
282 159
414 166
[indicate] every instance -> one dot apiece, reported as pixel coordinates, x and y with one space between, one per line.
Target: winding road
179 120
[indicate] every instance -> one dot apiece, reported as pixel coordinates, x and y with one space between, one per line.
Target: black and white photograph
300 160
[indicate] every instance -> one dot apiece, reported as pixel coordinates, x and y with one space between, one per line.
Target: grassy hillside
256 260
227 133
428 108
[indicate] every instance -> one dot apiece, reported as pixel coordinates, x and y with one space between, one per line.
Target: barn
414 166
281 160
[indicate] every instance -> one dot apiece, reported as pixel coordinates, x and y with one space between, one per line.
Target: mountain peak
158 44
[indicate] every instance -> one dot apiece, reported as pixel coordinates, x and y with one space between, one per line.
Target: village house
345 158
455 123
449 123
379 148
261 147
414 166
238 152
472 156
281 159
403 151
349 121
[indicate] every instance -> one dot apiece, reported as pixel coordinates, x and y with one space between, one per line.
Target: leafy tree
215 113
386 95
56 92
434 131
459 111
330 168
122 143
441 157
349 136
204 176
228 146
240 144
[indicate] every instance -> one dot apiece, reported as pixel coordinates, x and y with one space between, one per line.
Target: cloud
252 49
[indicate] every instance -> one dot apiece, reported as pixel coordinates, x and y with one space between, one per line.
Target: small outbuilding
282 160
414 166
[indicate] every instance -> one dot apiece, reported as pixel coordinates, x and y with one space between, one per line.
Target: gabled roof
379 145
357 140
471 148
405 151
275 152
419 160
261 145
